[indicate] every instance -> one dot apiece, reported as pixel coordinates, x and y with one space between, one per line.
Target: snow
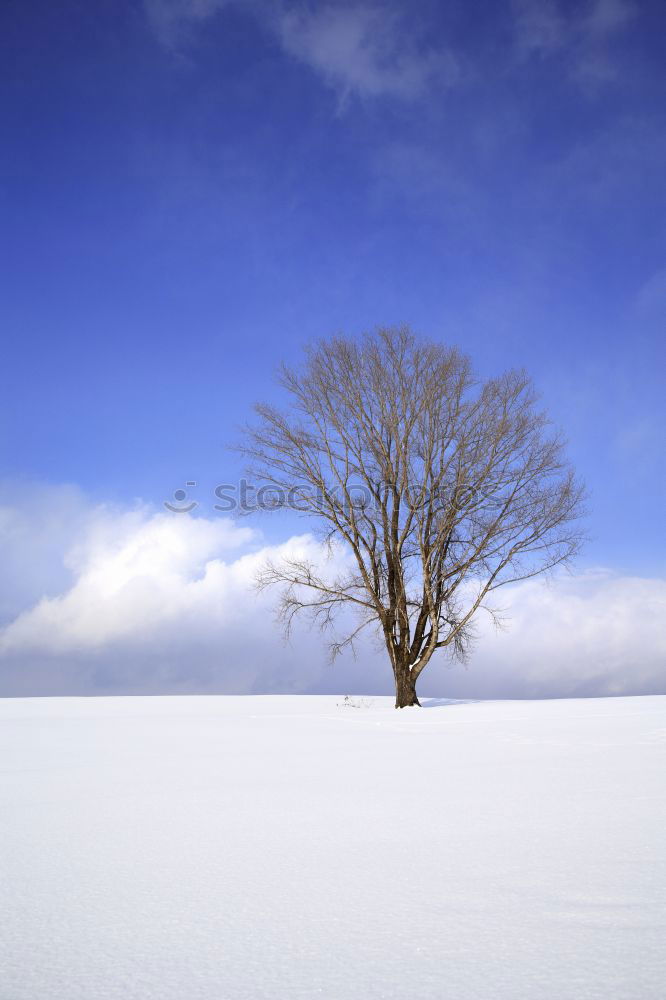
241 848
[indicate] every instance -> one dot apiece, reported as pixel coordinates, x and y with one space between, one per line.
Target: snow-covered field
219 848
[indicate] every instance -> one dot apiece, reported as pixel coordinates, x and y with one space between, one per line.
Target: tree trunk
405 689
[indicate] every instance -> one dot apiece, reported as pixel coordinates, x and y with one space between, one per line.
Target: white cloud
381 49
367 50
172 19
592 633
37 524
156 602
135 572
606 16
142 601
582 35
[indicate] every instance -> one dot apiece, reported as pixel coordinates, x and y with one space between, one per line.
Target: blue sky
193 189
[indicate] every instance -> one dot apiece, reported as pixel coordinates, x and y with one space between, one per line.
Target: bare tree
441 487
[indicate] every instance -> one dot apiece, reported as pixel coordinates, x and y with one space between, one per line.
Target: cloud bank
141 601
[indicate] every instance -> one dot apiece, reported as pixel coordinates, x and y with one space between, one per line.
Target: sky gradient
193 189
